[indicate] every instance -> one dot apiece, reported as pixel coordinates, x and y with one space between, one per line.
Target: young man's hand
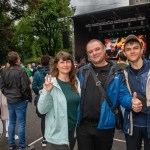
136 103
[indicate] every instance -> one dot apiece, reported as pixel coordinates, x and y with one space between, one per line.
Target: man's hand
136 103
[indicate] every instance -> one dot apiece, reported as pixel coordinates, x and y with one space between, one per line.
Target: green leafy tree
46 25
8 15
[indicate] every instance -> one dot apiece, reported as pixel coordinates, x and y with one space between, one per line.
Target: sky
84 6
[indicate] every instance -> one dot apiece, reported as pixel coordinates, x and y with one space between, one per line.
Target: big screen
116 44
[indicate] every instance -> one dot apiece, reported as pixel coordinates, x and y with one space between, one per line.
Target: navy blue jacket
144 85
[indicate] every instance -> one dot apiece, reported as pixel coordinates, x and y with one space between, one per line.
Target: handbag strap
99 85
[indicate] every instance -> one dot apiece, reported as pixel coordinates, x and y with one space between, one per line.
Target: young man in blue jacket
137 125
96 126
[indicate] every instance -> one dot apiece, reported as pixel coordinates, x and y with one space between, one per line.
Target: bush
32 60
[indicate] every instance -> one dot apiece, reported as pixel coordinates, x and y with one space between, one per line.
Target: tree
8 15
6 29
46 24
38 31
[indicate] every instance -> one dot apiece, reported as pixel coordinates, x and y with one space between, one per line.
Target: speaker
65 39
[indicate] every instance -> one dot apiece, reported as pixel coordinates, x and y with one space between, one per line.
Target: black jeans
134 142
72 140
42 122
91 138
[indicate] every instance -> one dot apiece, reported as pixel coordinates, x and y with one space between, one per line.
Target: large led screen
116 44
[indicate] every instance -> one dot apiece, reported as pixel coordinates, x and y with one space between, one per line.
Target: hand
136 103
48 85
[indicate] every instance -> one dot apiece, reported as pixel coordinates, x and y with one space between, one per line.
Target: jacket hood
44 70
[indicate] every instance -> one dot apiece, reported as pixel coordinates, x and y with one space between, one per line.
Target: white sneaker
6 134
44 143
16 136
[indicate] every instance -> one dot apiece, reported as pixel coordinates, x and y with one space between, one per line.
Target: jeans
134 142
91 138
17 112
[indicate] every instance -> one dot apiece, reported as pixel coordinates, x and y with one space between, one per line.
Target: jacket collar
145 67
55 83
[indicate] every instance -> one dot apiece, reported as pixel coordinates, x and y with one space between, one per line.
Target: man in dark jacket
37 85
96 120
15 85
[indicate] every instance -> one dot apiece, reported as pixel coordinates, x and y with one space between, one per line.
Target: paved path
33 134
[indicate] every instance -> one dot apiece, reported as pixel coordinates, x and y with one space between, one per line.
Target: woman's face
64 67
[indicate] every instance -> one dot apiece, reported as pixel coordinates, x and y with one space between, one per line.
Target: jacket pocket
107 118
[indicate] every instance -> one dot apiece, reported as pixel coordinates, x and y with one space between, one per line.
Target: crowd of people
70 104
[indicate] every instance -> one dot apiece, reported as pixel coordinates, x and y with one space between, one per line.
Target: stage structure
111 23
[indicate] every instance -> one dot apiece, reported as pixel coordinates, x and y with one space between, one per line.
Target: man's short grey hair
95 40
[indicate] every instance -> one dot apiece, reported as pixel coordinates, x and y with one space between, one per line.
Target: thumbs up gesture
136 103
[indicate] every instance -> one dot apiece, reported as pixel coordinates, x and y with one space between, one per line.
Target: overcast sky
85 6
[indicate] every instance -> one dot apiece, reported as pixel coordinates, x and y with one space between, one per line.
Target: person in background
96 121
29 71
4 107
59 100
33 68
82 62
37 85
122 62
15 85
23 66
137 125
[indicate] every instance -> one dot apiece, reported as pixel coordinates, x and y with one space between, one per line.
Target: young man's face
96 52
133 51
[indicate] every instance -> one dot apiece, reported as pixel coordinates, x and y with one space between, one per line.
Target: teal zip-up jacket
54 105
39 79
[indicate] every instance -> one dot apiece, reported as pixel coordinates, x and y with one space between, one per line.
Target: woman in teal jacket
59 100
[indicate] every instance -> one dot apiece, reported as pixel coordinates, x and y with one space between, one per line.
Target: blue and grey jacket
116 90
39 78
144 79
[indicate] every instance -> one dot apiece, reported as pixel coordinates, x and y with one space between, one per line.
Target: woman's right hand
48 85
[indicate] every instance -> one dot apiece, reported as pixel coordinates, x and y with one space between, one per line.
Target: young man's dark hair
12 58
45 60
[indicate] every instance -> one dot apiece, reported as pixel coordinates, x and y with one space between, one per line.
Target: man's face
133 51
96 52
